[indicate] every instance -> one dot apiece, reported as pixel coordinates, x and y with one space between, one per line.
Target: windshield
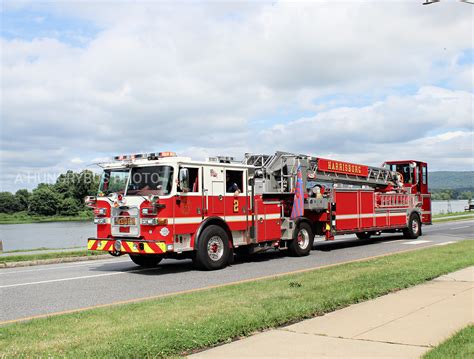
152 180
113 180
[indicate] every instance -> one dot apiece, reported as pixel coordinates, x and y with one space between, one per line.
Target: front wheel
414 227
213 250
302 242
146 260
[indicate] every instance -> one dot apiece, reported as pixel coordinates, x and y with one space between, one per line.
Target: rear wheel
364 235
414 227
144 260
302 242
213 250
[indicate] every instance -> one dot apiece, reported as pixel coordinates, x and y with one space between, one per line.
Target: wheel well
417 214
216 221
304 220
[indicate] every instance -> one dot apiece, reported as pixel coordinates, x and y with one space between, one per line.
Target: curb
35 262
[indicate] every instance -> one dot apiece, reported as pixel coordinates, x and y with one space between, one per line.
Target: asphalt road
41 290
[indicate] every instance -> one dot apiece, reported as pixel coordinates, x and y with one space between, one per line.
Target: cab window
406 172
193 180
234 181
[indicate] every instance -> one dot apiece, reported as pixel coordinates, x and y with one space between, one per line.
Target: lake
75 234
444 206
50 235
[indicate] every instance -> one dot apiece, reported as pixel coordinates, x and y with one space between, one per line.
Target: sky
358 81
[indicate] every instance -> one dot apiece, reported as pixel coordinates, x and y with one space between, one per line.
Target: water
50 235
443 206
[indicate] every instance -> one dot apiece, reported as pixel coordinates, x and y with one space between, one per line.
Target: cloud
212 78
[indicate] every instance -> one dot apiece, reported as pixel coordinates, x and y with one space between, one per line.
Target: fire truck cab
158 205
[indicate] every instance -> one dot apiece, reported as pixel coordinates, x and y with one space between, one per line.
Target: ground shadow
170 266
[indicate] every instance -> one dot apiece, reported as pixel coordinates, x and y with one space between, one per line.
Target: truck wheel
146 260
414 227
363 235
302 242
212 249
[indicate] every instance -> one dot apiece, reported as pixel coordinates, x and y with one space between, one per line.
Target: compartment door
217 198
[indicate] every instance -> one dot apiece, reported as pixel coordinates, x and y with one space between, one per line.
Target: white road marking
460 227
395 241
420 241
74 278
444 243
53 266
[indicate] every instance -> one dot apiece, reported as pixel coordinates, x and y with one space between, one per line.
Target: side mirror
184 179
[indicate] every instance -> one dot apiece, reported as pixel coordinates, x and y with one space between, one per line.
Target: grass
457 219
38 249
447 217
51 255
444 215
460 345
179 324
24 217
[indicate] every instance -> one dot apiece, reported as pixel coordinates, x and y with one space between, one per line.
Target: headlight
100 211
149 221
148 211
101 220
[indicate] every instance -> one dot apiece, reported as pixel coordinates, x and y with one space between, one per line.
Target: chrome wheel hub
415 226
303 238
215 248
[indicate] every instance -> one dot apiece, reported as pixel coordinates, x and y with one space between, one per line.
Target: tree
8 203
87 184
69 207
65 183
22 198
44 201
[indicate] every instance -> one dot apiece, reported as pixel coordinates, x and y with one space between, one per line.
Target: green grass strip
456 219
178 324
461 213
38 249
461 345
51 255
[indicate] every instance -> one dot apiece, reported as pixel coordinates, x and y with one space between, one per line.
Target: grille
125 222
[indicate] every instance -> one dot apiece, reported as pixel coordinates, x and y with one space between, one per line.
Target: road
28 292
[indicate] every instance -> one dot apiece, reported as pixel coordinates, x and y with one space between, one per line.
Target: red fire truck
158 205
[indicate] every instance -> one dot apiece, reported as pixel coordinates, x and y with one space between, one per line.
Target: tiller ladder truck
158 205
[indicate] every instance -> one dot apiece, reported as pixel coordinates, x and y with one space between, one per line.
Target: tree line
445 194
65 197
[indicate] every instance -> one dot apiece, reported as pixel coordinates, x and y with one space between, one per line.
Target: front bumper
126 246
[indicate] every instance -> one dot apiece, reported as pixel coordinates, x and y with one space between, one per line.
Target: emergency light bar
148 156
221 159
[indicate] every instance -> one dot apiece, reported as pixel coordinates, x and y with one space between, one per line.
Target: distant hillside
451 180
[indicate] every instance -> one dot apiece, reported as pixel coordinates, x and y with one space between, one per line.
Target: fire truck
159 205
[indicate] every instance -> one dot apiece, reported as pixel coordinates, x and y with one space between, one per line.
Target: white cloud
196 77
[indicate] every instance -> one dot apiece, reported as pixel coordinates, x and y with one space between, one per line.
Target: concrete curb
53 261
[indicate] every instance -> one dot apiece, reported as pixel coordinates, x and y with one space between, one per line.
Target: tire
364 235
302 242
213 250
145 260
414 227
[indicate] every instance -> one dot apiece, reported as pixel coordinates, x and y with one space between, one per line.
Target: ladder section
277 171
376 176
